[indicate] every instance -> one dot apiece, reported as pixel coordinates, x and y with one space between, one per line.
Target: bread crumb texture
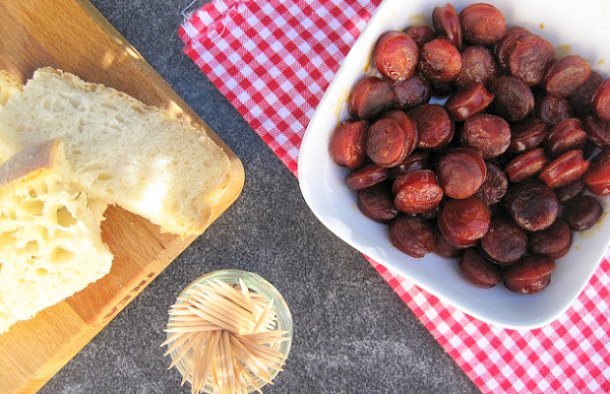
120 150
50 240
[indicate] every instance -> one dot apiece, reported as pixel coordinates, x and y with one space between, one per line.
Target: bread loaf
50 241
8 86
121 151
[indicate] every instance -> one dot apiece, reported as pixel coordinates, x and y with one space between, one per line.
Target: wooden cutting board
72 35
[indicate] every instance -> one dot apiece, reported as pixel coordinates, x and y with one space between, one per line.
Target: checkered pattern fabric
273 59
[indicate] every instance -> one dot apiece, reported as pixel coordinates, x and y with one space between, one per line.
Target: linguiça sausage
494 187
396 55
347 144
464 222
412 92
412 235
376 203
434 127
477 270
505 242
446 22
513 99
440 61
478 65
482 24
468 102
532 205
461 172
566 76
370 97
527 135
487 133
417 192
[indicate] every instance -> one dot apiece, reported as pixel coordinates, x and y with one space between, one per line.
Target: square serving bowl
578 27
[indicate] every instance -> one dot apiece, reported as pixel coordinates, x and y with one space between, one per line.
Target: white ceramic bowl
576 26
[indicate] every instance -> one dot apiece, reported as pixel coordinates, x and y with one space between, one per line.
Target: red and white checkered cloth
273 60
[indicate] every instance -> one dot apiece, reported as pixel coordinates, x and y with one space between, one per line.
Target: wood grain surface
73 36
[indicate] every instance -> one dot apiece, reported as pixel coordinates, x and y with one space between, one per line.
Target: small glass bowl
256 284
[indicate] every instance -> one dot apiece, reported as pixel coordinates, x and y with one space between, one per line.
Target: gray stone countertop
352 333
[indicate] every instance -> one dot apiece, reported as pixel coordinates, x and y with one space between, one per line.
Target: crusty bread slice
9 85
50 240
122 151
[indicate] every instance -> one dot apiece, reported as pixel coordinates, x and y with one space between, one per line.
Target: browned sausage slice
396 55
370 97
461 172
468 102
464 222
347 144
440 61
478 65
412 235
482 24
376 203
601 101
487 133
446 22
565 169
566 76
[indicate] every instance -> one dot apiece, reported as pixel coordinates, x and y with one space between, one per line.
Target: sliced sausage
565 169
434 127
530 59
367 176
464 222
447 23
386 143
420 34
412 92
513 99
370 97
440 61
532 205
468 102
376 202
417 192
347 144
530 275
526 165
597 130
482 24
552 110
582 212
487 133
527 135
412 235
601 101
478 66
396 55
566 135
494 187
477 270
505 242
582 99
597 178
444 248
408 126
569 191
567 75
505 46
461 172
552 242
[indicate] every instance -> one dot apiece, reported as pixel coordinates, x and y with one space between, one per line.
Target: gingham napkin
273 59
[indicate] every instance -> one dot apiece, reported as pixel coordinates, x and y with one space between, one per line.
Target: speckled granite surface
352 333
